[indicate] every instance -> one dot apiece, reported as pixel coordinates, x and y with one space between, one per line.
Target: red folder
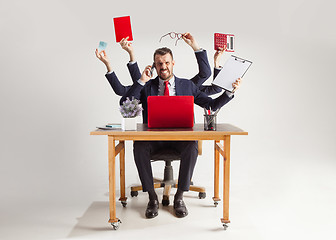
122 27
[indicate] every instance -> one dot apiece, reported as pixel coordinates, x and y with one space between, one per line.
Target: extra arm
112 78
132 65
204 70
134 71
116 85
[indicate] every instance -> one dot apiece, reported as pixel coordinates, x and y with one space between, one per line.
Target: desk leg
111 162
123 197
226 180
216 198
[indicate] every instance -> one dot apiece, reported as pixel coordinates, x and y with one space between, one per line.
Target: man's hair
163 51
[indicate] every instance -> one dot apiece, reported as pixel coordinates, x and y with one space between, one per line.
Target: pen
205 116
205 111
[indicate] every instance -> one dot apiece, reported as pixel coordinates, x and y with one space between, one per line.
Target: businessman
168 84
203 66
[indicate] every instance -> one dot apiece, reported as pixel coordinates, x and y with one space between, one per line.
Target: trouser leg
141 151
189 152
142 155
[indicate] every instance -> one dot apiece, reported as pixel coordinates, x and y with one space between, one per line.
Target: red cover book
122 27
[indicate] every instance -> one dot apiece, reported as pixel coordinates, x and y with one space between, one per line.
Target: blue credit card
102 46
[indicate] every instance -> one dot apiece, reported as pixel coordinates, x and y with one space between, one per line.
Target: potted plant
129 110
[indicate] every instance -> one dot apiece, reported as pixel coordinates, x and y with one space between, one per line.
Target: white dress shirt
171 87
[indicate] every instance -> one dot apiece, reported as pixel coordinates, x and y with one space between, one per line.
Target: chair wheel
124 203
201 195
134 193
115 225
165 200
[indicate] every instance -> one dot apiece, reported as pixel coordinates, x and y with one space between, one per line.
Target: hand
146 74
127 46
190 40
218 55
103 57
236 84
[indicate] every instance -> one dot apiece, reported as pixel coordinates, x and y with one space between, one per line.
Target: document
233 69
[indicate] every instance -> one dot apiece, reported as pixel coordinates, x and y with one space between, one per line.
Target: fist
146 74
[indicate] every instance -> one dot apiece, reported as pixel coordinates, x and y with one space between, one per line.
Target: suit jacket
204 72
183 87
211 89
202 75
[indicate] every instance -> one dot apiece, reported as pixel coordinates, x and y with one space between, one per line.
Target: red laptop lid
170 111
122 28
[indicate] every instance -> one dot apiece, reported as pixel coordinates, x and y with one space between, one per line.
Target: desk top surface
197 132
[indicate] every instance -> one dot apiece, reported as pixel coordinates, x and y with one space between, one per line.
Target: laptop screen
170 111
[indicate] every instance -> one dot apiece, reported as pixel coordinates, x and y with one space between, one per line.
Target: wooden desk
223 133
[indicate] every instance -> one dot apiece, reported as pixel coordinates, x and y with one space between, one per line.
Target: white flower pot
129 124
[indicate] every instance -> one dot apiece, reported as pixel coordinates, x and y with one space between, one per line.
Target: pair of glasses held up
173 35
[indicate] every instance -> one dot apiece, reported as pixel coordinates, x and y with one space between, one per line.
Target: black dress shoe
152 209
180 208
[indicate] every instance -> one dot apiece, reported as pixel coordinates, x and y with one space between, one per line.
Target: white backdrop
53 93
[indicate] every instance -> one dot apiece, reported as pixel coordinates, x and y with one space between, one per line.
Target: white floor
291 202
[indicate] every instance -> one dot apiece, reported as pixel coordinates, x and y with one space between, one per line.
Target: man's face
164 66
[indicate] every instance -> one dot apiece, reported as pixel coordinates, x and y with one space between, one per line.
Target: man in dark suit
203 66
167 82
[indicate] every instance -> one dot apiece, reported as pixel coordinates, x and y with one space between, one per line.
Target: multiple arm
112 78
132 65
212 89
201 57
204 70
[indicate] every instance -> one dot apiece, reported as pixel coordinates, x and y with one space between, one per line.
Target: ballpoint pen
205 116
205 111
216 111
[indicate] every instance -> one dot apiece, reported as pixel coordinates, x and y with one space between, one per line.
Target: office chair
168 181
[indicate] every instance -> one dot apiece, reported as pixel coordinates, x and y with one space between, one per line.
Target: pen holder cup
210 122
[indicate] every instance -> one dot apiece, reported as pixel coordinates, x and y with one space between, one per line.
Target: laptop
170 111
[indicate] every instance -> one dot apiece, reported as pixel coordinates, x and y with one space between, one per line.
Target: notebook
122 28
170 111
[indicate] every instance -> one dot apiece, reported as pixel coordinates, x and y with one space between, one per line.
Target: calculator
221 40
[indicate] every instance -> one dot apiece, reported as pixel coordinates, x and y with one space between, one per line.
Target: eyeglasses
173 35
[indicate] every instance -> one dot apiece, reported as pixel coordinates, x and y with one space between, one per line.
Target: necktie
166 90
